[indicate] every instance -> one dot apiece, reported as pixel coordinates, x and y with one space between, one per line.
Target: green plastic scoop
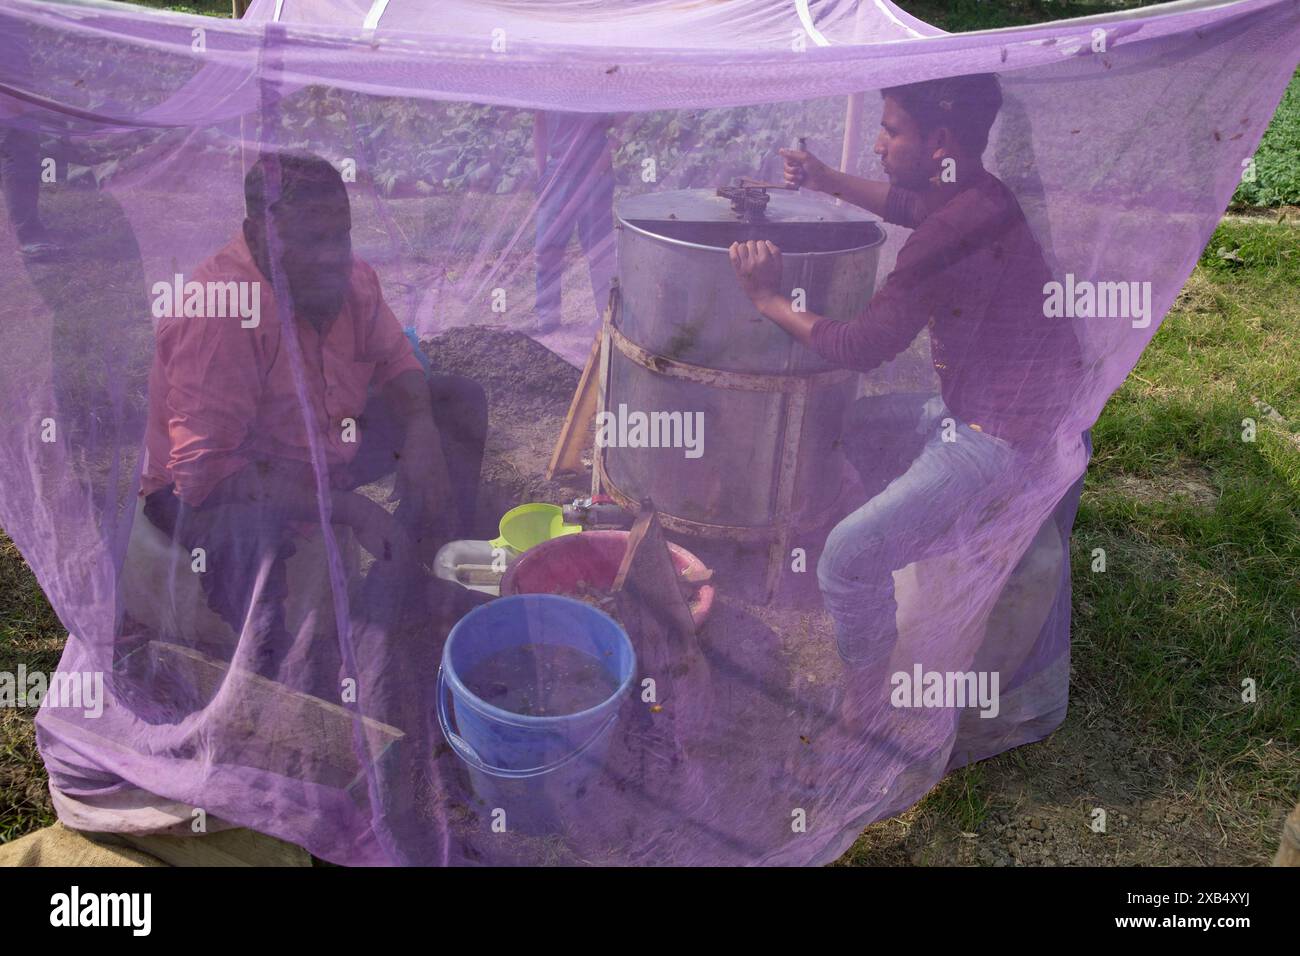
531 524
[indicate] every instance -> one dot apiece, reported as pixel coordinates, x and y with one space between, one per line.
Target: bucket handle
471 757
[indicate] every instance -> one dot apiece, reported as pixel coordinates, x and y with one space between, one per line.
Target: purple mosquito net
295 308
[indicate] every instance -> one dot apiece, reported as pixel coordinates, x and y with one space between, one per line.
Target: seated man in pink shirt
229 465
973 273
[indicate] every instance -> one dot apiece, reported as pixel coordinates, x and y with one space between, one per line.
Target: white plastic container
475 565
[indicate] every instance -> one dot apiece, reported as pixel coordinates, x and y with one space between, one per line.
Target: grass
30 634
1196 599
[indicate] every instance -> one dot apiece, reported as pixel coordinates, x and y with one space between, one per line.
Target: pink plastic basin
556 567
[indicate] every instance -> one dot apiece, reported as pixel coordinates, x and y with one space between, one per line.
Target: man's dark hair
967 105
302 176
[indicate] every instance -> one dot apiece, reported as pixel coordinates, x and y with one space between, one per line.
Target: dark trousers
572 200
460 412
20 179
247 545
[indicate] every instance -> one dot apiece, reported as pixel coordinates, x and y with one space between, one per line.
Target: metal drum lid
798 222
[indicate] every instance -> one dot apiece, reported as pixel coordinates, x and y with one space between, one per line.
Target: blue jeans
918 485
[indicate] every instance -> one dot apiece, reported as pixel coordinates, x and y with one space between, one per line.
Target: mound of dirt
528 389
521 376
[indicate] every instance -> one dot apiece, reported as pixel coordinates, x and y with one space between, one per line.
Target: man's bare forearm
778 308
869 194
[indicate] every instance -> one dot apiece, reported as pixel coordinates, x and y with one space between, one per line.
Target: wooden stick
567 456
646 585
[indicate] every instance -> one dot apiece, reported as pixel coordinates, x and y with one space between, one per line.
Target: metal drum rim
880 241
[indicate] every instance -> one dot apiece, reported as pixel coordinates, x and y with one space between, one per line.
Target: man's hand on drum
757 264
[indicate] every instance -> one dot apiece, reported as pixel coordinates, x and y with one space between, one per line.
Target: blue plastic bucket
535 768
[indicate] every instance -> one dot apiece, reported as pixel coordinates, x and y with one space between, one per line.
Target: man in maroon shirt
973 273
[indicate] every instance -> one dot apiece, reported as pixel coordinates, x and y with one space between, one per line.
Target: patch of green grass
959 804
1271 257
30 634
1199 596
961 798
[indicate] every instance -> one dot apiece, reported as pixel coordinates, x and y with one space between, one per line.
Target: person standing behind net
20 158
575 191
